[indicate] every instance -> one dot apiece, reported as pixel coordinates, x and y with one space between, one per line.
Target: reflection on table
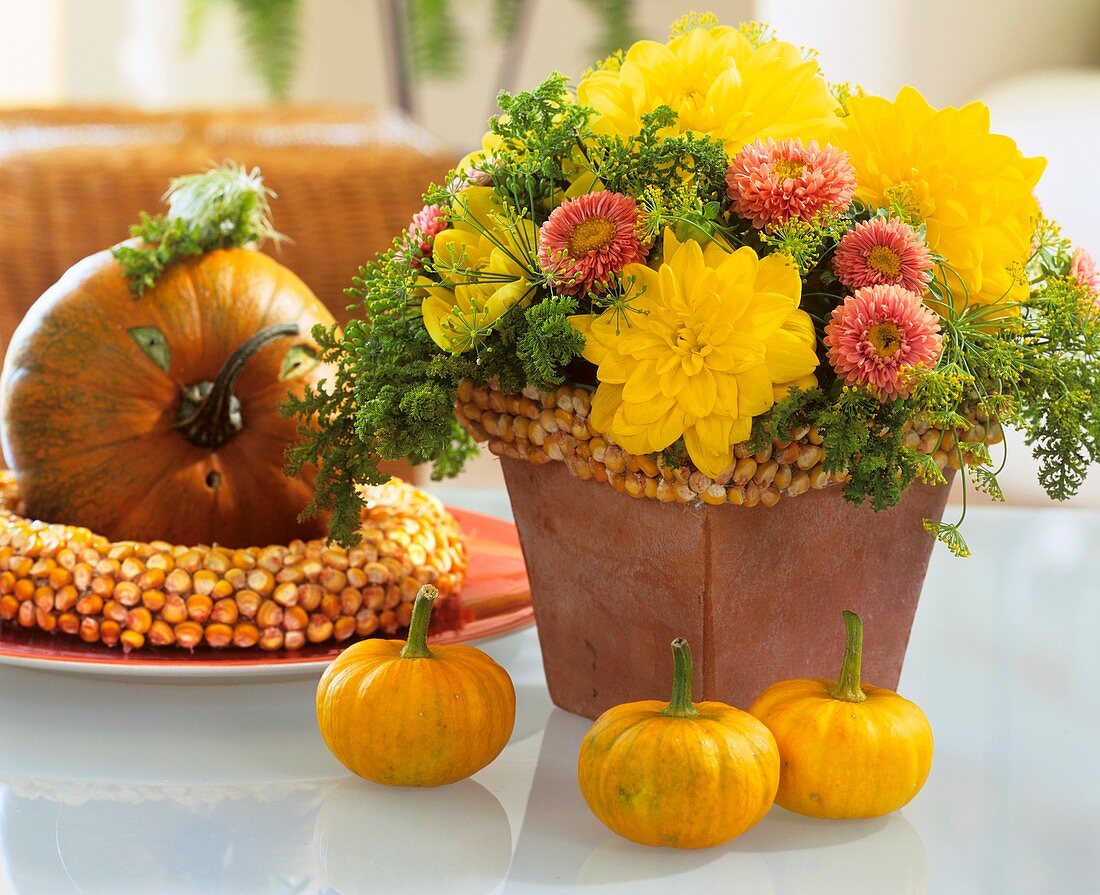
116 788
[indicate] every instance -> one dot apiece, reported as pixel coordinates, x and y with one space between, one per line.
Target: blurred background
352 106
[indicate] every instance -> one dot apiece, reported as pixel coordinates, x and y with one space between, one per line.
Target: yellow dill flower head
697 349
943 168
719 84
484 262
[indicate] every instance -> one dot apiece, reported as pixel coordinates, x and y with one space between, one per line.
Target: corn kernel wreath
542 426
136 594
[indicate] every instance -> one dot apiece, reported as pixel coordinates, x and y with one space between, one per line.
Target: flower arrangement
709 267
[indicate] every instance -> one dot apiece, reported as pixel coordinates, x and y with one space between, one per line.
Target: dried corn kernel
57 577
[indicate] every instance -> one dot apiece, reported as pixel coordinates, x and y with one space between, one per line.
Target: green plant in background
434 31
269 31
425 33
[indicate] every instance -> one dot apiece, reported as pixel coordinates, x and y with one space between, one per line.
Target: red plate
495 600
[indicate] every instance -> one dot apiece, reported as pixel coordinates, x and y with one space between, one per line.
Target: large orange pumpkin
156 417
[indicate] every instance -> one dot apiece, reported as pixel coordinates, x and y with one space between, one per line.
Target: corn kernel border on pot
756 590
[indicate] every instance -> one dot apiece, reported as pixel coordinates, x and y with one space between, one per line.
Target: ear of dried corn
62 578
541 427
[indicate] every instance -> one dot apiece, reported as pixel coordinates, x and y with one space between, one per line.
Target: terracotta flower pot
757 592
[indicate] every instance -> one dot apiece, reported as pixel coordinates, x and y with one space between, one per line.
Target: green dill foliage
164 241
659 161
227 206
1052 251
806 242
1033 364
693 21
1059 395
793 412
539 133
548 341
391 397
864 436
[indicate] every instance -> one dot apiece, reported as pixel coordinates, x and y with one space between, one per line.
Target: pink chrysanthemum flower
473 176
878 334
426 225
773 182
588 239
882 252
1082 268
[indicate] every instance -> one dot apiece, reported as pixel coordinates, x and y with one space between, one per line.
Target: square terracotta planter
757 592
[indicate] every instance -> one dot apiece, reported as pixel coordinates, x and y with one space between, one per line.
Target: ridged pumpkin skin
404 721
683 781
841 758
89 419
845 759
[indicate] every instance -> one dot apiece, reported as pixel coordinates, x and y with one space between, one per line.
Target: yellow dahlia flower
484 262
718 84
943 168
697 349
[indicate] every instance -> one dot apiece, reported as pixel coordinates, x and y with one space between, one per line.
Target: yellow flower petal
614 368
605 403
778 274
718 84
739 267
726 403
647 413
742 429
711 337
641 385
699 394
671 245
768 312
474 209
789 354
459 319
434 308
709 445
454 250
655 436
754 392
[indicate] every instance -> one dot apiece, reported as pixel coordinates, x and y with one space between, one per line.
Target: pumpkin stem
847 686
681 706
210 414
416 647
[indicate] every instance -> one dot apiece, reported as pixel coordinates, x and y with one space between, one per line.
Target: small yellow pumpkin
678 774
398 713
848 749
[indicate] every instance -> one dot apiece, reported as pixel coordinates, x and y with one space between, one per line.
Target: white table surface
117 788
